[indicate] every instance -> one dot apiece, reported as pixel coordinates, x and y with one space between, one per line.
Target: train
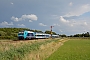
28 35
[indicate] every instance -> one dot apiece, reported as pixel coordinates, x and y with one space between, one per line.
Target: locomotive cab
26 35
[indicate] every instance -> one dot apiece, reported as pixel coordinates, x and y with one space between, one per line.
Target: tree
49 32
86 34
63 35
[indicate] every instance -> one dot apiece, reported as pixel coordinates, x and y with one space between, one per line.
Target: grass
45 50
9 44
73 50
20 52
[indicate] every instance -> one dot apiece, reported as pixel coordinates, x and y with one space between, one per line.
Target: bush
8 37
2 33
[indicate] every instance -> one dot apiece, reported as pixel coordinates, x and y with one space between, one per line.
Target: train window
30 34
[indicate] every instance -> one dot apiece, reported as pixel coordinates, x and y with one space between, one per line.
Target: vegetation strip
72 50
7 45
45 50
19 53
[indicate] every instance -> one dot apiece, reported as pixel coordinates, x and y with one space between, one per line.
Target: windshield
30 34
20 33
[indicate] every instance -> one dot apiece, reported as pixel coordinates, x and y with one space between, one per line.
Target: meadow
73 49
46 49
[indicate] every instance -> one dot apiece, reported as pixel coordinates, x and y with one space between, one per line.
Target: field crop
74 49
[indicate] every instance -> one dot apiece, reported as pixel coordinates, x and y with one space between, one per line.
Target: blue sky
67 16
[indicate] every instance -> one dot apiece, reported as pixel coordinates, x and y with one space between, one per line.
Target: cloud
80 23
79 10
61 30
30 20
63 20
72 23
85 23
25 17
41 24
15 18
70 4
6 23
32 17
56 24
12 3
21 25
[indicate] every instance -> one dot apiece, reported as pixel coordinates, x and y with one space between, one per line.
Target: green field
74 49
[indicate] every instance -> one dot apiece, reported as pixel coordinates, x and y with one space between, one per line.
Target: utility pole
51 31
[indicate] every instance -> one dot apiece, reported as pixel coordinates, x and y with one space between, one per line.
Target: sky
67 16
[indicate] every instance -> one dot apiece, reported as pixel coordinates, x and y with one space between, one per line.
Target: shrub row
8 37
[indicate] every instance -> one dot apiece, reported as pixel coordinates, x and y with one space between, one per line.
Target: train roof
26 31
30 32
